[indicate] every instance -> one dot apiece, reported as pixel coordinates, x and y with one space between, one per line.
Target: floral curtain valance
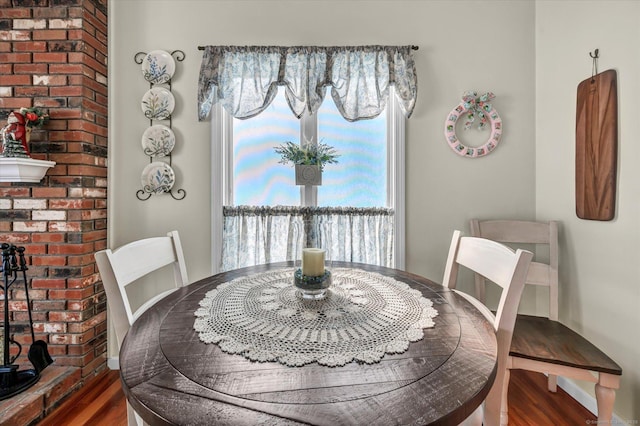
244 79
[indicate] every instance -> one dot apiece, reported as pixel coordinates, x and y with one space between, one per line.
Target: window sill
23 169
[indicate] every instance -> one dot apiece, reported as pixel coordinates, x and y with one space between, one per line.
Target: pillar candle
312 262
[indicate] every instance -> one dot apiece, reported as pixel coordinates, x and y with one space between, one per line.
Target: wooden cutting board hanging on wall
597 146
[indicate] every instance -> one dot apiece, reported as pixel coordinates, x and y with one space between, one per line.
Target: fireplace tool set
12 380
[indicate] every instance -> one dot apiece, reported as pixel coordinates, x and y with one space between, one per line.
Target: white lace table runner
364 316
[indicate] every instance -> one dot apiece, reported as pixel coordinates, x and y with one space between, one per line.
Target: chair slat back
525 232
508 269
492 260
127 264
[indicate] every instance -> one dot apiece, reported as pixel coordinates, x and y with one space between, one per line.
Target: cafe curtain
257 235
244 79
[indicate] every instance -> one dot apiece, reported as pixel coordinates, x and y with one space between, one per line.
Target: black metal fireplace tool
13 381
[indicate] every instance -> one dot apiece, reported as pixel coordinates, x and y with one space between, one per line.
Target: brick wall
53 55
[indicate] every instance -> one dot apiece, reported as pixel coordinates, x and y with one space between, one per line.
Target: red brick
87 171
14 192
70 248
49 237
71 294
16 238
32 249
15 80
79 305
48 283
65 316
49 35
30 68
101 245
94 236
66 69
66 91
64 387
16 305
15 13
57 350
15 57
85 259
50 57
50 12
65 227
84 282
49 260
70 136
96 366
31 91
49 80
46 306
49 193
76 34
30 46
73 158
15 103
71 204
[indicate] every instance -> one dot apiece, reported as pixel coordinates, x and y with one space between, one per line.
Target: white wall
464 45
600 261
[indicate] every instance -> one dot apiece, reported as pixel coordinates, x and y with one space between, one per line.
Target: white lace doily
364 316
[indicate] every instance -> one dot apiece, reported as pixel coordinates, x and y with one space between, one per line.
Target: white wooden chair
543 344
125 265
508 269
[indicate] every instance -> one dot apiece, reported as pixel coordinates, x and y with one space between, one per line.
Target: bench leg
605 398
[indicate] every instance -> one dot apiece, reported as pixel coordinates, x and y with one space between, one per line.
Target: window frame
222 173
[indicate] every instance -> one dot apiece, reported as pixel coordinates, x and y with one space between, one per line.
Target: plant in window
307 153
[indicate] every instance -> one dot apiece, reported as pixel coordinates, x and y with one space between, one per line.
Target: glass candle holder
312 274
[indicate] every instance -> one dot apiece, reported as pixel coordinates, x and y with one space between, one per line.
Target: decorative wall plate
158 103
158 177
158 141
158 67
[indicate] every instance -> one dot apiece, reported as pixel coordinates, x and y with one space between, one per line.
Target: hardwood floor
102 403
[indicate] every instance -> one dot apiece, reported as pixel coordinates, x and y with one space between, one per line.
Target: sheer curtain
256 235
246 78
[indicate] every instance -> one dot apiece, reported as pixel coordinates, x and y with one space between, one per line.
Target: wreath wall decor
474 107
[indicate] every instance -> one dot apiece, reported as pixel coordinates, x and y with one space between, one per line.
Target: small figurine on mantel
15 135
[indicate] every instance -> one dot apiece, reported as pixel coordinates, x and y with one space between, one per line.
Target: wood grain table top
171 377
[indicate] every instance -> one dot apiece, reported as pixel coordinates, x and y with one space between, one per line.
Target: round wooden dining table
170 376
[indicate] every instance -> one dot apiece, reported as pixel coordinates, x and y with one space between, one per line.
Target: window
358 180
370 172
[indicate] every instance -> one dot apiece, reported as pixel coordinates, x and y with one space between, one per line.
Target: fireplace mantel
15 169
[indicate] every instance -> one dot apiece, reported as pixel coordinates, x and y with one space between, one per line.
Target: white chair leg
133 418
605 398
504 402
552 383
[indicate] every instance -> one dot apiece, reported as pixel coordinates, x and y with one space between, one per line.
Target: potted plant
309 160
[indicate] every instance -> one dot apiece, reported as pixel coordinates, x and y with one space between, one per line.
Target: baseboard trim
584 398
113 363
